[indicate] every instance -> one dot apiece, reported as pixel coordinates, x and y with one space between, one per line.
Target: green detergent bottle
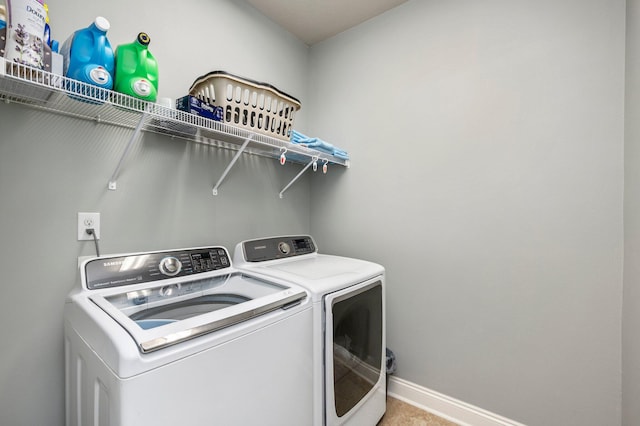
137 70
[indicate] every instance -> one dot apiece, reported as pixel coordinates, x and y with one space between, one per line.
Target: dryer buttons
170 266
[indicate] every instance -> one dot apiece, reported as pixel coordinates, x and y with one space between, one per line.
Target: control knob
284 248
170 266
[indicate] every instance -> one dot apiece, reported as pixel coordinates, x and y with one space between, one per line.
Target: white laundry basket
255 106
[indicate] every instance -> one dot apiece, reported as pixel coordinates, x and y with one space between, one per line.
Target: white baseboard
444 406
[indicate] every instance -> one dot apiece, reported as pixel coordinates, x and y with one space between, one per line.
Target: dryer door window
355 318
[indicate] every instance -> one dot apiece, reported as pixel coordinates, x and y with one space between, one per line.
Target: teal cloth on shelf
319 144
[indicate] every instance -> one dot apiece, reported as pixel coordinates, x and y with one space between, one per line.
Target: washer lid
183 310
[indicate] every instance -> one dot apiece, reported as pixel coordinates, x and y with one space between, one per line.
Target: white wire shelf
60 95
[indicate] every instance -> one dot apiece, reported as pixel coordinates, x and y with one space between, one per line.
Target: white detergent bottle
3 28
3 16
25 32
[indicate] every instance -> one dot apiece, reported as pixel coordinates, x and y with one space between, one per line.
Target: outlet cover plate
86 221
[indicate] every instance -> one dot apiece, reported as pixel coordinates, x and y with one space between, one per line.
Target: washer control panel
277 248
139 268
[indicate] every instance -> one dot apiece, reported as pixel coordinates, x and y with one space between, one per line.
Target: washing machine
348 323
181 337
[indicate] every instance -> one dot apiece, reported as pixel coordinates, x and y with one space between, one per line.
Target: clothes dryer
348 323
181 337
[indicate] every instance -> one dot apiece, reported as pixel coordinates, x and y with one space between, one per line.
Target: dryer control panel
277 248
147 267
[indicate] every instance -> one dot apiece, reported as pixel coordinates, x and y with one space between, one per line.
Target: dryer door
354 347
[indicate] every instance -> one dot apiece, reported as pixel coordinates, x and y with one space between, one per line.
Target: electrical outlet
88 221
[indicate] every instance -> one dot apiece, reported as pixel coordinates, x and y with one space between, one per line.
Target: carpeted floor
402 414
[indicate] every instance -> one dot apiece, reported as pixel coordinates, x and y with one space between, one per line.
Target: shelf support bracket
313 160
112 182
233 161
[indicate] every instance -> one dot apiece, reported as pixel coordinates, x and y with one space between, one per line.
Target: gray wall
52 167
631 301
487 144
